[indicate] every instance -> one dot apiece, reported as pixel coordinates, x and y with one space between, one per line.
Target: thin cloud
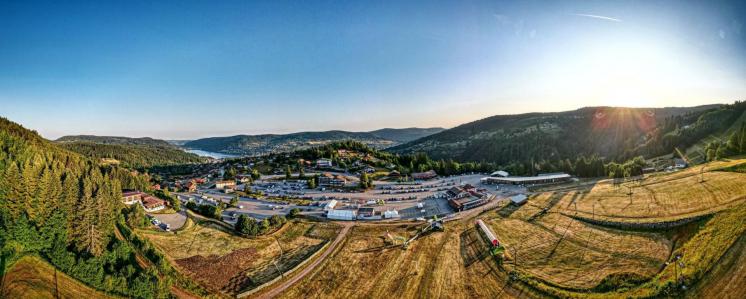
597 17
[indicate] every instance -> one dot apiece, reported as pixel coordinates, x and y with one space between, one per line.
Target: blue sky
188 69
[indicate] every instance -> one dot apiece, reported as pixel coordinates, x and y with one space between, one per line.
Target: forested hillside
406 134
115 140
63 207
133 155
273 143
553 141
270 143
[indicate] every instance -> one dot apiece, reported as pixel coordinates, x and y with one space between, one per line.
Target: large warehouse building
528 180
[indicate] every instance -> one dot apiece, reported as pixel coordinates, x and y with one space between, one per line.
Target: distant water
210 154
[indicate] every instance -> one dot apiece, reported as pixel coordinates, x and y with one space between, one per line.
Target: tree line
64 207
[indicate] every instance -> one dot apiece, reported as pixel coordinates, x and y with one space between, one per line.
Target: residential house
131 197
323 163
152 204
331 180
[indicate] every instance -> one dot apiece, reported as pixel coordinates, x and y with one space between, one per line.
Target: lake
210 154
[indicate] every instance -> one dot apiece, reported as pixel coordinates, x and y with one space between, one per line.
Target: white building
322 163
341 214
500 173
220 185
330 205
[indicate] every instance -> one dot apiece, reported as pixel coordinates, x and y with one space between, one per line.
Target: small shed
519 199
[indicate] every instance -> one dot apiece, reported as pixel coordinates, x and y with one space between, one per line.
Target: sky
191 69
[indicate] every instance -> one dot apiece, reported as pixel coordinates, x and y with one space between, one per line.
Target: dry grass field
658 198
30 277
450 264
571 253
728 278
232 264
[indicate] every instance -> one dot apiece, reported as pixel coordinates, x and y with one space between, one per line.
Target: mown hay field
570 253
659 198
450 264
31 277
231 264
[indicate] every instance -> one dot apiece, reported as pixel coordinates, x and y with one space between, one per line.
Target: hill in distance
273 143
138 153
610 132
114 140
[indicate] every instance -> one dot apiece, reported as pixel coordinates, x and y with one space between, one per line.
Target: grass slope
231 264
659 198
31 277
570 253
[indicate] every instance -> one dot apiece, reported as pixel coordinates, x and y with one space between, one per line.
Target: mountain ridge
269 143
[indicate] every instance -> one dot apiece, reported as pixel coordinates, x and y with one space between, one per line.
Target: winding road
300 275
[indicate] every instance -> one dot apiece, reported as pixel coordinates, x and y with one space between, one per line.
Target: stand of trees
249 226
63 207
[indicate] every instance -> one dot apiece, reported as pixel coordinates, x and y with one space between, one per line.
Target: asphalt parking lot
175 220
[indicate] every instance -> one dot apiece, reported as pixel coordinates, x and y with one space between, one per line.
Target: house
341 214
430 174
131 197
394 174
323 163
220 185
330 180
152 204
519 199
155 187
243 178
191 186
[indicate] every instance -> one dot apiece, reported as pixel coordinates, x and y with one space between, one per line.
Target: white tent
341 214
330 205
391 214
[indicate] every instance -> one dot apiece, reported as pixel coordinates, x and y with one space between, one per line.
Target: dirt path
300 275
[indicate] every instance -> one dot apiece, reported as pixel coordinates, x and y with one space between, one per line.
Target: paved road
300 275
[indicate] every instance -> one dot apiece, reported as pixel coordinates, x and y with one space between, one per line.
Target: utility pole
702 174
275 261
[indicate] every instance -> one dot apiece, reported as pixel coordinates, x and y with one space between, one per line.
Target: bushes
249 226
206 210
294 212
